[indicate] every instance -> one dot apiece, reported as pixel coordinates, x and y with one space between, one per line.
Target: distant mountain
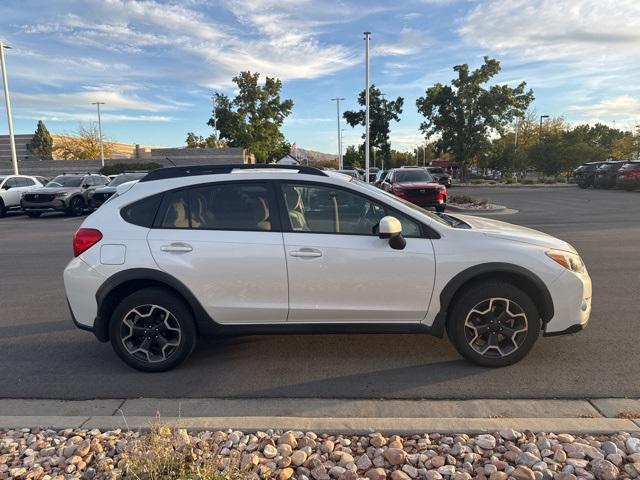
312 155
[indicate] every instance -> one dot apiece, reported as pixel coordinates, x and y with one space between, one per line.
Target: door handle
177 248
306 253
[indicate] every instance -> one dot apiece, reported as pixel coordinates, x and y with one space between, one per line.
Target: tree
84 144
627 147
352 157
464 114
41 145
381 112
198 141
252 120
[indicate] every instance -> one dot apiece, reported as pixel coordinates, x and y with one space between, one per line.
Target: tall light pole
100 131
540 134
337 100
7 101
367 38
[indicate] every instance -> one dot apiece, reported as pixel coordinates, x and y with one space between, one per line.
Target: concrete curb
348 416
513 185
352 426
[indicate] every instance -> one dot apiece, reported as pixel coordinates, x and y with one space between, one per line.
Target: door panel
223 241
358 278
238 277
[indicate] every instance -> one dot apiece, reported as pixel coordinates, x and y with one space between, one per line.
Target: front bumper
55 205
571 293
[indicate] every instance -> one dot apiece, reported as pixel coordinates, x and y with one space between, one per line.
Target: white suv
12 187
190 251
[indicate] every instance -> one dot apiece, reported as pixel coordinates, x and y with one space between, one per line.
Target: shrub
549 181
527 181
510 181
170 454
118 168
466 199
477 181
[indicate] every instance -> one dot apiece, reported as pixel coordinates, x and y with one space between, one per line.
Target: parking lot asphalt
44 356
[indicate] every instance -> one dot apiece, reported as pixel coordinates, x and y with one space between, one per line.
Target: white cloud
52 116
576 30
409 42
623 109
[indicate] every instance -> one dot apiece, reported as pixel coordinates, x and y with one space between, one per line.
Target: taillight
85 238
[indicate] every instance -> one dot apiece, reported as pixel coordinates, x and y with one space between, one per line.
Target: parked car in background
352 172
68 193
373 171
440 175
12 187
606 174
380 176
101 194
628 176
157 267
416 185
585 174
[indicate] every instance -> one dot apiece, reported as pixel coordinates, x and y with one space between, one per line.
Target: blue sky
156 63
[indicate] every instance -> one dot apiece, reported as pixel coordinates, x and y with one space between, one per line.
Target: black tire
477 295
441 207
3 210
181 318
583 185
76 207
33 214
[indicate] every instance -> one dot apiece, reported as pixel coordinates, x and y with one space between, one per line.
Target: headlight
62 194
570 261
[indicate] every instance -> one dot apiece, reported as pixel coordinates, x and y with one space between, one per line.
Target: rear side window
142 212
227 206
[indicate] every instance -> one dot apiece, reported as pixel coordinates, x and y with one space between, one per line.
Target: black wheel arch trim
544 302
204 323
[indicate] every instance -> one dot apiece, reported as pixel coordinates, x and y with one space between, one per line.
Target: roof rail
194 170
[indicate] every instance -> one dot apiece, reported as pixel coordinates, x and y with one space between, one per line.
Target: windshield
125 177
436 170
413 176
413 207
65 181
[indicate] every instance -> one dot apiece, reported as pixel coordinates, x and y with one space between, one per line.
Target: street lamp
5 82
100 131
367 38
337 100
540 134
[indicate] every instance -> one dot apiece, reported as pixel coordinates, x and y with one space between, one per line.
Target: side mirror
6 187
85 185
391 228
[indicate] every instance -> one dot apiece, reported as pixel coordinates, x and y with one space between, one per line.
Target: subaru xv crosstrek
218 250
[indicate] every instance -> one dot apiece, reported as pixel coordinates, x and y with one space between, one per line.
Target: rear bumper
81 282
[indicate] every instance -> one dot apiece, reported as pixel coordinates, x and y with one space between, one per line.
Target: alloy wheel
496 327
150 333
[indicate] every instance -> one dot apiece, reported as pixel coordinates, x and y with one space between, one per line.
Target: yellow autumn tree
83 144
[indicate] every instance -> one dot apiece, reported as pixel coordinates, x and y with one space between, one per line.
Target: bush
549 181
118 168
466 199
510 181
477 181
171 454
527 181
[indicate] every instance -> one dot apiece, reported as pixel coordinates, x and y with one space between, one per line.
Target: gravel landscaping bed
80 453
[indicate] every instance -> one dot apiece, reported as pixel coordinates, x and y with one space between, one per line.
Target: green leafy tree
41 145
198 141
352 157
252 119
381 112
465 113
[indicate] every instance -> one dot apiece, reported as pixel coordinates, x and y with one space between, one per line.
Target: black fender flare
541 293
150 276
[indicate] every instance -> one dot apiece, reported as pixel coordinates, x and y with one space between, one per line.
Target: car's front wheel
152 330
3 210
493 324
76 207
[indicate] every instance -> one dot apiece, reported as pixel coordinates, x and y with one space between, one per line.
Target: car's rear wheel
493 324
76 207
152 330
3 210
33 214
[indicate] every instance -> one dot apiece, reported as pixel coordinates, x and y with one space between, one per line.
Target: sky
156 63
